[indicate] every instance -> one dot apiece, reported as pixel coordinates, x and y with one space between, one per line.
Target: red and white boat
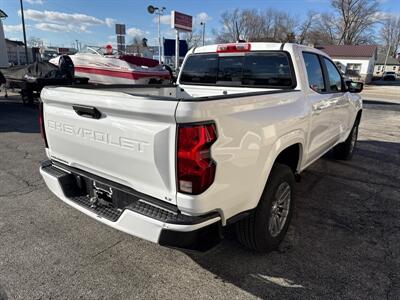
106 66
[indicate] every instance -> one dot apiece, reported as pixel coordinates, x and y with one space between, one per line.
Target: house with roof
386 64
355 61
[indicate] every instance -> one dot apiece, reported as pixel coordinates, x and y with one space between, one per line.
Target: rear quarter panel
252 131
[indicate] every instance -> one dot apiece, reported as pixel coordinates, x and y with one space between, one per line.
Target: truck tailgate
132 142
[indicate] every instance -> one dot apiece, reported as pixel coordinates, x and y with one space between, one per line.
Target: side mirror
354 87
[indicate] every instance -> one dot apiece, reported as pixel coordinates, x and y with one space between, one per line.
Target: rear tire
264 229
345 150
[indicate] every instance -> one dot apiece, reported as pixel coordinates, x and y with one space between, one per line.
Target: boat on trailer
104 65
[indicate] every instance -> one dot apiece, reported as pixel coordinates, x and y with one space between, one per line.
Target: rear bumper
140 218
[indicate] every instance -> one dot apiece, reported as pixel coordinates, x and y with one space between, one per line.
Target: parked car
177 164
389 76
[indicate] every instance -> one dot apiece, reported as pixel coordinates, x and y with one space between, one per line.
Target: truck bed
184 92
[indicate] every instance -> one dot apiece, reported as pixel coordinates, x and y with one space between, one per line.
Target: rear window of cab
252 69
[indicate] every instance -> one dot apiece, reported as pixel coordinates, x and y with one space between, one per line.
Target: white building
388 64
355 61
16 52
3 49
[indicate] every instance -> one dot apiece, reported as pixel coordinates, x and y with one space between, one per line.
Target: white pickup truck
177 164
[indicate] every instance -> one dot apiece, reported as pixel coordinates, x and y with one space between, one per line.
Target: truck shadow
343 232
16 117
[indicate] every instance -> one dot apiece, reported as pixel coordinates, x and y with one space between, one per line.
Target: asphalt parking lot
344 241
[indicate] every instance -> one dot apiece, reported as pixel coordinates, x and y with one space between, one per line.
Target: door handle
87 111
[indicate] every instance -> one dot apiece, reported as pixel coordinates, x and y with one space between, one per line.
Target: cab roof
256 46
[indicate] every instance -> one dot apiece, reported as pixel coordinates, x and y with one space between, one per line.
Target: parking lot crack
22 179
108 248
388 259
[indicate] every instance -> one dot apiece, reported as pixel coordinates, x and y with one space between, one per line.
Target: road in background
387 93
344 241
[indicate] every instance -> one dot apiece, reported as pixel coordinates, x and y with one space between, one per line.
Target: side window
334 77
269 69
314 72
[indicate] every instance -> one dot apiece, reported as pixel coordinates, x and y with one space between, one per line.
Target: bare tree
193 38
351 22
390 35
35 42
232 22
268 17
137 45
284 27
323 31
355 19
252 25
306 27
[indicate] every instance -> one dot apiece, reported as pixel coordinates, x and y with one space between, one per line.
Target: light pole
158 11
23 29
204 29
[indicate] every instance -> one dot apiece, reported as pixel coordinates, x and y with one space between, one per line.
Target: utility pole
159 38
204 30
387 55
23 29
237 32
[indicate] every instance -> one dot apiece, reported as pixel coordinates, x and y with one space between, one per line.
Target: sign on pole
181 22
120 29
169 47
121 48
121 39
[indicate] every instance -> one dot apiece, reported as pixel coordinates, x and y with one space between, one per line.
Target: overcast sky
61 22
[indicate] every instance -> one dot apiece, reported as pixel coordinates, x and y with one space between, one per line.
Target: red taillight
238 47
196 168
41 124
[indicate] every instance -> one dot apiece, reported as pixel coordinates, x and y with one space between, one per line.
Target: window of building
353 69
338 65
